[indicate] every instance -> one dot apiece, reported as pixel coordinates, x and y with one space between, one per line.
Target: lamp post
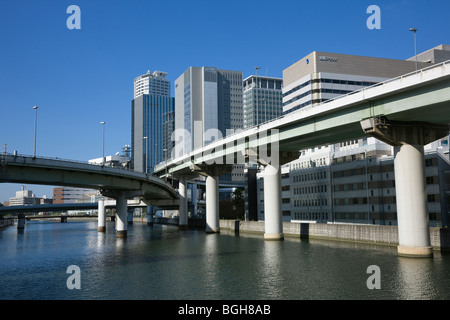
256 90
415 44
35 126
103 142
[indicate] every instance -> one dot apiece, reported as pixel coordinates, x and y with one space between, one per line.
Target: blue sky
78 78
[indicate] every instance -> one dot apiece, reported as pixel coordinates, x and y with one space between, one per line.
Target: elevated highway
407 112
116 183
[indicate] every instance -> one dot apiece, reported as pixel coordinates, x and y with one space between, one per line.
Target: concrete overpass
115 183
407 112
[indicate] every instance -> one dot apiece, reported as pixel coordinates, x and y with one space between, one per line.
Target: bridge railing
16 156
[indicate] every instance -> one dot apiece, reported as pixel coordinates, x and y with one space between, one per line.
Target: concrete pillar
121 216
212 204
412 210
408 139
21 221
273 222
149 215
101 220
183 211
130 216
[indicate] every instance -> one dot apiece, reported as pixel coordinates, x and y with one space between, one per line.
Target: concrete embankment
6 222
374 234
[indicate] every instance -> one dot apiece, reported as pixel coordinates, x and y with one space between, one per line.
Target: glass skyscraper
152 121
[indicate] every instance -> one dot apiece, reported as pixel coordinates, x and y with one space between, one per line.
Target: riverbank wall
373 234
5 223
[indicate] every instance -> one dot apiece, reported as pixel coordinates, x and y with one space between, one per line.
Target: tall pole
256 90
103 142
415 44
35 126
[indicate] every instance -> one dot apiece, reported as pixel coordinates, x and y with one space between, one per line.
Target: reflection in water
270 277
415 279
163 262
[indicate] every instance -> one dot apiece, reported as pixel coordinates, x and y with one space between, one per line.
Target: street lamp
35 126
415 44
103 142
256 88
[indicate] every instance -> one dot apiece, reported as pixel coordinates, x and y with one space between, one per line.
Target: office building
263 100
208 106
434 55
353 181
321 76
73 195
152 83
151 121
207 98
24 198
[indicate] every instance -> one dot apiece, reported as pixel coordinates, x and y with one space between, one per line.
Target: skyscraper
263 99
152 83
151 121
210 99
208 103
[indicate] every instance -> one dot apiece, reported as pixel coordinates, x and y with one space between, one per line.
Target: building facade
321 76
73 195
208 106
152 83
24 198
353 181
263 99
207 99
152 121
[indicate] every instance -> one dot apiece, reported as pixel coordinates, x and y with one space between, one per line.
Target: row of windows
335 81
297 107
317 216
318 202
311 189
307 93
345 82
323 216
310 176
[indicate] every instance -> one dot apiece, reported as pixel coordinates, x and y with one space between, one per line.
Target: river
164 263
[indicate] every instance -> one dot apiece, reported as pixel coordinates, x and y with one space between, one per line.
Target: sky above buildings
80 77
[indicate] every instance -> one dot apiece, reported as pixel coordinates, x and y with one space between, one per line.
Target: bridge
116 183
407 112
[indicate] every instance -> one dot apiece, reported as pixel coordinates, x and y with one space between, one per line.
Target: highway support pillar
183 209
212 203
273 221
130 216
21 221
121 216
149 215
101 216
212 172
408 139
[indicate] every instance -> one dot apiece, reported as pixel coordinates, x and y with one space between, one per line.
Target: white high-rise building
152 83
